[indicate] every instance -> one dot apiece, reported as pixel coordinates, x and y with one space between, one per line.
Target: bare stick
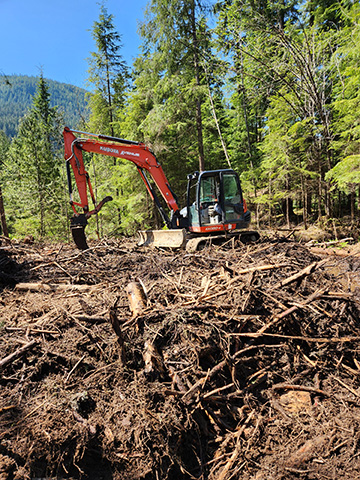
10 358
236 451
302 388
299 275
74 368
295 337
292 309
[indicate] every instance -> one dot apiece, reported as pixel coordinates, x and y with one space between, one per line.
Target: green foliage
108 75
346 173
4 148
33 176
346 102
273 89
17 92
172 80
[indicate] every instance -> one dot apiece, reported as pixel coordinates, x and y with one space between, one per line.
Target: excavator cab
215 202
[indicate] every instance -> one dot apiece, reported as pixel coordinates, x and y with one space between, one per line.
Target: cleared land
240 362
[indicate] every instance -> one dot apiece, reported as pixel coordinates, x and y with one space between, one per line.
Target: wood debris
240 362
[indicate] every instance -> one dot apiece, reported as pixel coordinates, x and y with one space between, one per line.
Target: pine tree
108 74
345 107
281 58
176 46
35 190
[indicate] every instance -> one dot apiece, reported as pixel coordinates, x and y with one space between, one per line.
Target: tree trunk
199 127
288 202
218 128
270 209
352 205
304 195
245 108
319 197
4 228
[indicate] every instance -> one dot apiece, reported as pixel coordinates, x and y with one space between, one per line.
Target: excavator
215 208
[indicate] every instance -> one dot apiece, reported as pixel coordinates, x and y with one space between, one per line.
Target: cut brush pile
240 362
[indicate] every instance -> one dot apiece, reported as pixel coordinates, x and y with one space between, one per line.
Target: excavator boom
136 152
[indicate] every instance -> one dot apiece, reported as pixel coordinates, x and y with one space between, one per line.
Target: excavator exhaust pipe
163 238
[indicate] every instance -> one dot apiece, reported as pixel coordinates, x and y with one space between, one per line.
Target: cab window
231 189
207 190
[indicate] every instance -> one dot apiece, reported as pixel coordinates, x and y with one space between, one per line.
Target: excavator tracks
199 243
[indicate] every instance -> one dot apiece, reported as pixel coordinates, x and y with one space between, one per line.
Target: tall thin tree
108 74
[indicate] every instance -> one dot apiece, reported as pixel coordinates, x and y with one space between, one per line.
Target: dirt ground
235 362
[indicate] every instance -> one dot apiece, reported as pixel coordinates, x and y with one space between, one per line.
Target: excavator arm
136 152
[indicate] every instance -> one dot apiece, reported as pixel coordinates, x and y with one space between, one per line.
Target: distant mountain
16 97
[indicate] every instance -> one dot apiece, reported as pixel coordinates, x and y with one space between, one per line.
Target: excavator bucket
79 237
163 238
77 227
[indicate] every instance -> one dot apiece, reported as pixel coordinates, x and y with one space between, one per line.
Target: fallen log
297 337
336 252
51 287
332 242
137 298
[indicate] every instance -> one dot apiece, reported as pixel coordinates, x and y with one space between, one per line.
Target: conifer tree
108 74
176 45
285 59
35 192
4 148
245 34
345 174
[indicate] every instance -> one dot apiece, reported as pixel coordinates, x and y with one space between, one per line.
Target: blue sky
55 35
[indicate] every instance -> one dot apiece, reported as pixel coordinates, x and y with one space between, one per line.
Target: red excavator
215 208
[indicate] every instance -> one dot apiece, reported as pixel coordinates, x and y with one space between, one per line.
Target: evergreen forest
267 88
16 97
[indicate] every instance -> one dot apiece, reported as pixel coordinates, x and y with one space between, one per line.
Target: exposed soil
241 362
